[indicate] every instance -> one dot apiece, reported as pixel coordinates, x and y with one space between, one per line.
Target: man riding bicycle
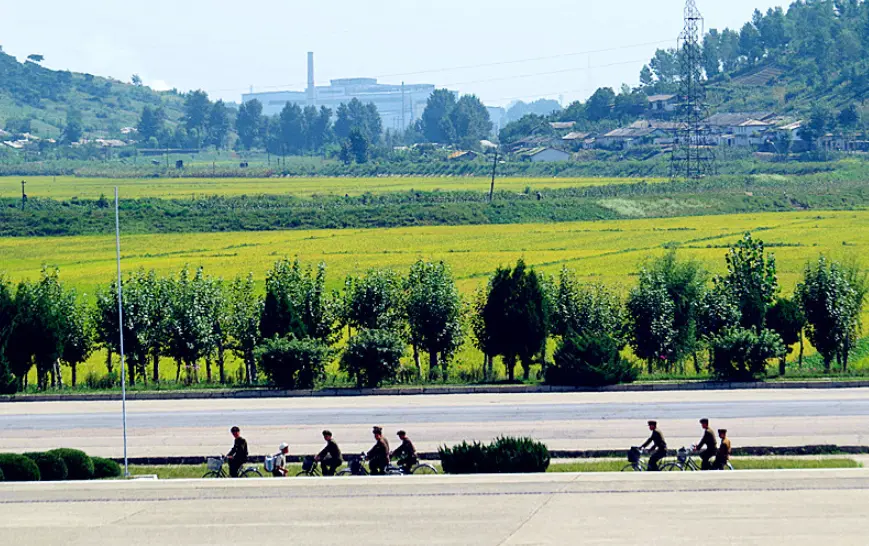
237 456
659 446
330 457
707 446
405 454
378 455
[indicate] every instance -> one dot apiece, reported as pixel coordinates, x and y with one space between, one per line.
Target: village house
663 104
542 154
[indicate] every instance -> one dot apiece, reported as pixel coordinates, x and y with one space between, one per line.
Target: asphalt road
746 508
563 421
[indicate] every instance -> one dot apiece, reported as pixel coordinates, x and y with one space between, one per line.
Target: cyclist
406 453
659 446
280 468
378 455
707 446
237 456
723 454
330 457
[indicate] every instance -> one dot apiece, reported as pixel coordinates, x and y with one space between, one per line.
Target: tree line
674 317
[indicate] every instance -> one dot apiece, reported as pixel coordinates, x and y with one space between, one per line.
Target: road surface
745 508
563 421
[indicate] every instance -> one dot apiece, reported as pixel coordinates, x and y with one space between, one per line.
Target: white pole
121 333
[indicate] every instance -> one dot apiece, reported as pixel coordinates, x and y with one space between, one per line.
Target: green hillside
36 99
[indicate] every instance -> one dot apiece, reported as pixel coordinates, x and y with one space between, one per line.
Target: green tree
826 298
585 309
358 145
248 123
742 354
712 53
374 301
74 129
297 304
77 337
437 109
651 320
245 311
355 115
787 320
820 121
293 363
750 45
218 125
665 67
8 311
590 360
189 326
600 104
434 310
151 123
373 357
470 121
197 109
751 281
516 316
291 123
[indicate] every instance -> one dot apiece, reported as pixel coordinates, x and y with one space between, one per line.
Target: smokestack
311 78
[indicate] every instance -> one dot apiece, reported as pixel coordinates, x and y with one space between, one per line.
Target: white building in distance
399 105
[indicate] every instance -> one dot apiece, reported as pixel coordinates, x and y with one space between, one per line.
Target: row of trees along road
675 316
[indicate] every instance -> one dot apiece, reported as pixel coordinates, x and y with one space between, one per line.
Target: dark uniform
706 449
659 450
330 458
238 455
406 455
723 454
378 457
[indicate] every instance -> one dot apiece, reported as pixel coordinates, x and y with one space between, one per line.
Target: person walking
723 455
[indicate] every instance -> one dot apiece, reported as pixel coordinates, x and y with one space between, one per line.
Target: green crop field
67 187
608 252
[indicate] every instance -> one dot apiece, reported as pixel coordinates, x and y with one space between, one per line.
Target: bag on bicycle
634 455
269 463
308 463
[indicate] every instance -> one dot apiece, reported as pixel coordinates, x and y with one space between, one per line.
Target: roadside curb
415 391
758 451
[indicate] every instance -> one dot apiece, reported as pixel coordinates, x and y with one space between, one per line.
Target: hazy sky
500 50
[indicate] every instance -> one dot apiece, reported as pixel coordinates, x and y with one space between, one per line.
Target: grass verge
168 472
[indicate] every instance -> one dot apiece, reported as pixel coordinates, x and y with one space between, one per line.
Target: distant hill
36 98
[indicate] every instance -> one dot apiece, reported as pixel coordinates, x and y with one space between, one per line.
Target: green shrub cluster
51 467
105 468
503 456
56 465
18 468
78 463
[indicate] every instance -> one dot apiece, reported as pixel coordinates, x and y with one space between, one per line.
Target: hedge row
56 465
506 455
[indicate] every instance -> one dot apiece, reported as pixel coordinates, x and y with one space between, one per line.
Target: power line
563 71
475 66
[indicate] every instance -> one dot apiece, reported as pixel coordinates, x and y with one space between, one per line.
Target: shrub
514 455
2 477
464 458
18 468
505 455
94 380
742 355
79 465
105 468
51 467
590 361
373 357
293 363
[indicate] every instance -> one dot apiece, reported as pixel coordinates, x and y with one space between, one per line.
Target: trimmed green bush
2 477
505 455
18 468
79 465
51 466
464 458
373 357
590 361
742 355
105 468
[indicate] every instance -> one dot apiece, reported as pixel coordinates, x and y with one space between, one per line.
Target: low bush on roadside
18 468
373 357
78 463
505 455
105 468
293 363
590 361
51 466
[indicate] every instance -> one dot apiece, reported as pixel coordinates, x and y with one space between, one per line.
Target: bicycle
685 462
635 461
423 469
356 467
215 469
310 468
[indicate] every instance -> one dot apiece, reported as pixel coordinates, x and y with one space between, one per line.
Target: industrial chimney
310 89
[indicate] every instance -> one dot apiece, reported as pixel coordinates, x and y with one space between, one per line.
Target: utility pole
403 125
23 195
494 168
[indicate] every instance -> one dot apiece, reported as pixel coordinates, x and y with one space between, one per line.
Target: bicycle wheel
345 472
305 473
251 473
631 468
424 469
210 474
672 467
729 466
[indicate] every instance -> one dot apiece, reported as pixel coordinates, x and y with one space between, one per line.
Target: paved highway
563 421
746 508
